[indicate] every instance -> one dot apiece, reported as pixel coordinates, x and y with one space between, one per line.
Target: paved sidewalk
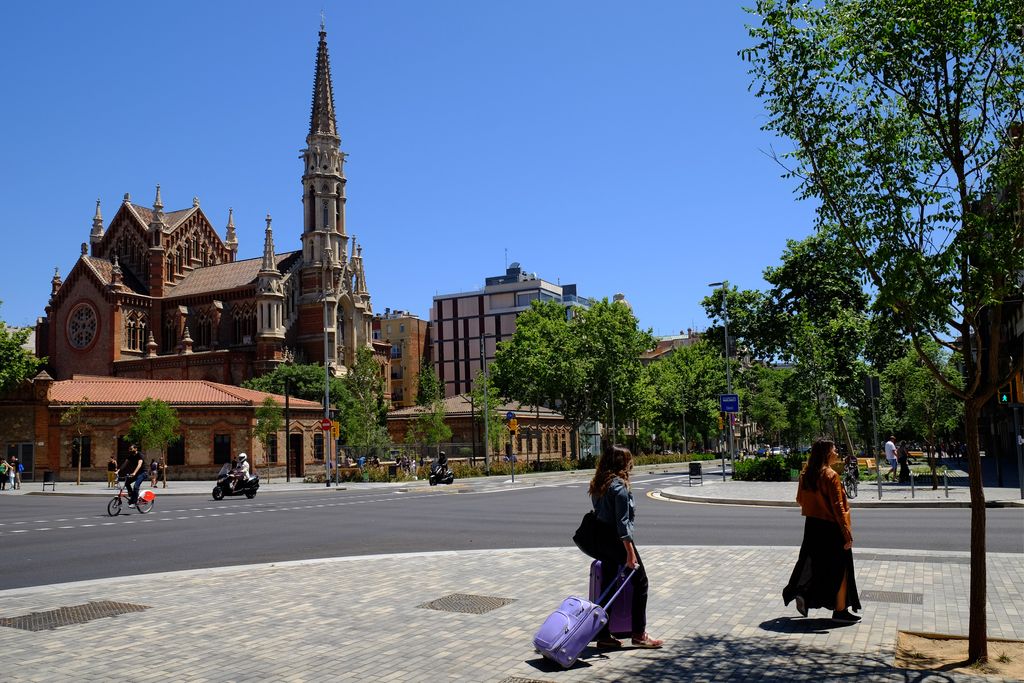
357 619
775 493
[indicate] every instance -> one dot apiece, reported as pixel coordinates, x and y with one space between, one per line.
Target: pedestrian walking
112 472
890 455
823 576
154 470
3 473
15 476
12 467
903 458
615 509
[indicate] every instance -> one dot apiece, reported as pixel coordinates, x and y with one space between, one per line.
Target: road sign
510 415
730 403
513 425
325 424
336 429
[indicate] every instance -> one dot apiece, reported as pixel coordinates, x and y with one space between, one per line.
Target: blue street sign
510 415
729 403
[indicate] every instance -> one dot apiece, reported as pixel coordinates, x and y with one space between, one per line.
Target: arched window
170 334
204 330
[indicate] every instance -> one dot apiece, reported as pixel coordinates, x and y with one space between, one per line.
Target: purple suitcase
571 627
620 613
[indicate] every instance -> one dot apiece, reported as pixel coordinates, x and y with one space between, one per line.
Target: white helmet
241 457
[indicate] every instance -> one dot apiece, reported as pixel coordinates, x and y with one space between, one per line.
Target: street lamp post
487 407
327 364
728 371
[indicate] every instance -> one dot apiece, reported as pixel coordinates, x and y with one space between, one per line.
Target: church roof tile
121 391
224 276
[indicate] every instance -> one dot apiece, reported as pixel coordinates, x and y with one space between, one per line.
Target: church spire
268 248
231 240
321 120
97 225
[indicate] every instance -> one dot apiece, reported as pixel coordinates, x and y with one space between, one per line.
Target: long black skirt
820 569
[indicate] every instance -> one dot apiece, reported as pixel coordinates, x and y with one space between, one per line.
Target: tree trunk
977 630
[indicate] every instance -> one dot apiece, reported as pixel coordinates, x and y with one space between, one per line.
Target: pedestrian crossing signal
721 422
1004 395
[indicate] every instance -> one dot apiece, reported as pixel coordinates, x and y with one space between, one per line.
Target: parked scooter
247 487
439 472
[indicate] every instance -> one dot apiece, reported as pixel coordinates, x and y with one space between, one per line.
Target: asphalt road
45 540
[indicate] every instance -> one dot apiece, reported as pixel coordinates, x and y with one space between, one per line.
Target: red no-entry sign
325 424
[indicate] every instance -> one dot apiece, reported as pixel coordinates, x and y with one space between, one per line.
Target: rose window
82 326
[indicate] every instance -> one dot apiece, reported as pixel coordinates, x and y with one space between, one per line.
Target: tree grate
928 559
69 616
466 604
519 679
893 596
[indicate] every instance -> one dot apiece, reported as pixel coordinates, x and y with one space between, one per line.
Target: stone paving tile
356 619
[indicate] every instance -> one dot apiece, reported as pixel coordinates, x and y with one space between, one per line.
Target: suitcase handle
625 580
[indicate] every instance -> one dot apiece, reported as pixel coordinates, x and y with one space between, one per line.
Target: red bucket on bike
147 496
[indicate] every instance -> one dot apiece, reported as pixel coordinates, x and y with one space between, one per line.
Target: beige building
409 337
464 322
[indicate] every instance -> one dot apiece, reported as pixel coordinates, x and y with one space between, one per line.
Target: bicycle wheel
144 506
114 506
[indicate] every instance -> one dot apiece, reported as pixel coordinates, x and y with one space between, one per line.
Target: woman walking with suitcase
614 507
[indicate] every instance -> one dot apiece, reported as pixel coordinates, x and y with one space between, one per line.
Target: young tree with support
905 118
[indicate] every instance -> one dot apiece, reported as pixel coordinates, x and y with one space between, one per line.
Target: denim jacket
616 508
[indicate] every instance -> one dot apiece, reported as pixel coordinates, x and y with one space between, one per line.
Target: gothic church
159 295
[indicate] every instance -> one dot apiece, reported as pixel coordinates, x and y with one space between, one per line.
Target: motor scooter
247 487
439 472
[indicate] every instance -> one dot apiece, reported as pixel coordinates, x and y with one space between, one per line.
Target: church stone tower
329 273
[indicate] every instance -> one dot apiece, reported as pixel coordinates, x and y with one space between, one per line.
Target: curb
853 504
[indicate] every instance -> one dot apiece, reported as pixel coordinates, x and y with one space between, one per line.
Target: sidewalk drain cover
68 616
893 596
517 679
466 604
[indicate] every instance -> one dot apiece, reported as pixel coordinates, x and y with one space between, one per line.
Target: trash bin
392 471
696 473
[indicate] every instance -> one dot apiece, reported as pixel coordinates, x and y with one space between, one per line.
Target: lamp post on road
728 371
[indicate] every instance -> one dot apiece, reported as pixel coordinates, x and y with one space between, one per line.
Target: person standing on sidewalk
823 575
614 507
3 473
903 458
112 472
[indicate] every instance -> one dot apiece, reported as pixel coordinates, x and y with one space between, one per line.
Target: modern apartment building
409 337
464 322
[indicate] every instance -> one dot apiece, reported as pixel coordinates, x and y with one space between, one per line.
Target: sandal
608 643
646 641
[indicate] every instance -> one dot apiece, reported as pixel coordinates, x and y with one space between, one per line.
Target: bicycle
850 478
143 505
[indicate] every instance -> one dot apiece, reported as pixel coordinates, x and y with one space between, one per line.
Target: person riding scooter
439 472
241 471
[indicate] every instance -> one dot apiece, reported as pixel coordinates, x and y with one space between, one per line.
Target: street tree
363 407
903 116
155 425
17 363
75 417
429 427
269 421
304 381
488 403
765 405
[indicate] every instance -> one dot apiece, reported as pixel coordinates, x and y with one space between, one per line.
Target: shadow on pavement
796 625
726 658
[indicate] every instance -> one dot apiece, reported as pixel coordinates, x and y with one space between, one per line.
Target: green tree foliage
914 404
429 388
305 382
155 425
362 407
900 112
489 401
16 363
686 383
269 421
576 360
767 406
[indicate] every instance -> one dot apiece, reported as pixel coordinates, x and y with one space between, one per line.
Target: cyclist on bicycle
134 472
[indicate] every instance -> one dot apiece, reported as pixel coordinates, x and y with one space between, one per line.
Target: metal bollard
945 481
911 483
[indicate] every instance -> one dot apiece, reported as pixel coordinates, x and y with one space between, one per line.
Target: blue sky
614 145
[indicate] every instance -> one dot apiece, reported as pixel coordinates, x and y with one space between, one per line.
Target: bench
49 479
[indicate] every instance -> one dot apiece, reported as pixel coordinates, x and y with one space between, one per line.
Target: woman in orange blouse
823 576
